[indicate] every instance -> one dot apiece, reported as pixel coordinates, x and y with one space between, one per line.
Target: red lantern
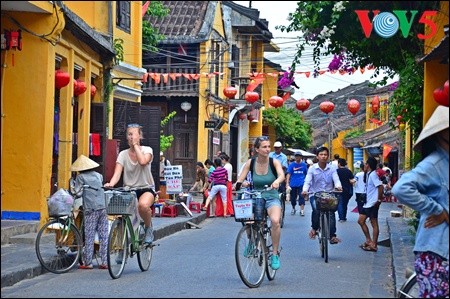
353 106
242 116
440 97
326 107
276 101
230 92
61 79
251 96
79 88
302 104
250 117
446 87
375 104
399 118
93 90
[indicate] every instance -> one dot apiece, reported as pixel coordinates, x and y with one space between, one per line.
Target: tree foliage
289 126
333 27
150 35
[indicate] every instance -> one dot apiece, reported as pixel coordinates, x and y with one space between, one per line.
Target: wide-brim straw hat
83 163
437 122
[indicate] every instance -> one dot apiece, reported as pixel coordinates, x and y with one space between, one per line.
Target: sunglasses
260 139
134 125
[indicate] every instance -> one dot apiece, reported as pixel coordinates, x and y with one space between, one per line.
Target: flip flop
312 235
365 244
369 248
335 240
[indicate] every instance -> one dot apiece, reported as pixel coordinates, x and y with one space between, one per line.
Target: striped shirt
219 176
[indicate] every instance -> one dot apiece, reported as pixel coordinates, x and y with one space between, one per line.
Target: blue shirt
297 173
318 179
425 189
281 157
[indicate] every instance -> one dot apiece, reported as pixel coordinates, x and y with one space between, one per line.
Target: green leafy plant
165 141
118 48
354 133
290 126
150 36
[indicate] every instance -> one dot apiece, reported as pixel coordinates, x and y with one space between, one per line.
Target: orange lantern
251 96
326 107
230 92
302 104
353 106
375 104
61 79
276 101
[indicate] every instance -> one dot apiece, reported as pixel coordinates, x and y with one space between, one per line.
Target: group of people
424 188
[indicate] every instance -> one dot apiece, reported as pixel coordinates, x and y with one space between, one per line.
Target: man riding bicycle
321 176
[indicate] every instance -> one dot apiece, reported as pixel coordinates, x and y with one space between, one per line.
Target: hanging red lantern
399 118
276 101
302 104
93 90
61 79
326 107
230 92
251 96
440 96
375 104
353 106
79 88
242 116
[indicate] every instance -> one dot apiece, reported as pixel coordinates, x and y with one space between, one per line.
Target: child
218 181
95 217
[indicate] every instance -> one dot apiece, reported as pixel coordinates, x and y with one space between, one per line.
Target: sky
276 13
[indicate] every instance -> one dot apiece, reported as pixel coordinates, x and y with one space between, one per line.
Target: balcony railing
171 80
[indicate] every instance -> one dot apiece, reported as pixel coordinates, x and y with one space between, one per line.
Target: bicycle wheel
268 238
117 248
325 235
410 289
58 245
250 256
145 253
283 208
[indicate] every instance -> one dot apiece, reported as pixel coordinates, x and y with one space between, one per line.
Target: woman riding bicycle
263 176
135 163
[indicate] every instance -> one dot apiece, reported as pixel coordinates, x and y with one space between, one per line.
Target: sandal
334 240
104 266
370 248
86 267
312 234
365 244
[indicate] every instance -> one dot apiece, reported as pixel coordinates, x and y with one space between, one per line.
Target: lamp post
186 106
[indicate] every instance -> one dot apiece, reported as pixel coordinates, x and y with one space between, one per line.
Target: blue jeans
315 217
343 204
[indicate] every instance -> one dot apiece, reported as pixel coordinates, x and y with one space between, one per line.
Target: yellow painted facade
28 97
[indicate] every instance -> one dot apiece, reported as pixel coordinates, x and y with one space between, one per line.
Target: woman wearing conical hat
425 189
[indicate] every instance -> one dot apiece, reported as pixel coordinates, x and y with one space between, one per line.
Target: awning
377 144
439 52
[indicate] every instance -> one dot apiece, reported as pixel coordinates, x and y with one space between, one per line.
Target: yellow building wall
27 91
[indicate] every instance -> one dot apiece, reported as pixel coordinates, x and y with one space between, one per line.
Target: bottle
259 208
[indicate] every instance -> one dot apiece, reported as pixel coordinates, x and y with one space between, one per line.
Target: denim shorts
272 202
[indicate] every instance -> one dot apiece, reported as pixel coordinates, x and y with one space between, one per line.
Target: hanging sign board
210 124
174 179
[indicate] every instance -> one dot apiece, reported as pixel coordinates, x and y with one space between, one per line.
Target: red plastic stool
157 209
194 207
169 211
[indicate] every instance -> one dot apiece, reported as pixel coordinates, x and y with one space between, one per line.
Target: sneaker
293 212
248 250
302 213
148 235
119 257
275 262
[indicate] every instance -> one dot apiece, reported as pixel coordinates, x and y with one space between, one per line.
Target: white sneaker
302 213
149 235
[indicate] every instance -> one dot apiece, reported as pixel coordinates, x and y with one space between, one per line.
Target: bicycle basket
120 203
60 203
243 209
326 201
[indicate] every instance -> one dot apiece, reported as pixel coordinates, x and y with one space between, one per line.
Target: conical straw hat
436 123
83 163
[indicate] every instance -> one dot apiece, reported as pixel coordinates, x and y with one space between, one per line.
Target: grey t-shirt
134 174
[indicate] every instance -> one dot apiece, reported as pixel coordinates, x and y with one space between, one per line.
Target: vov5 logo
386 24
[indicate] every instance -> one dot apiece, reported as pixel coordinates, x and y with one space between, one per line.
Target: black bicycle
253 247
326 203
